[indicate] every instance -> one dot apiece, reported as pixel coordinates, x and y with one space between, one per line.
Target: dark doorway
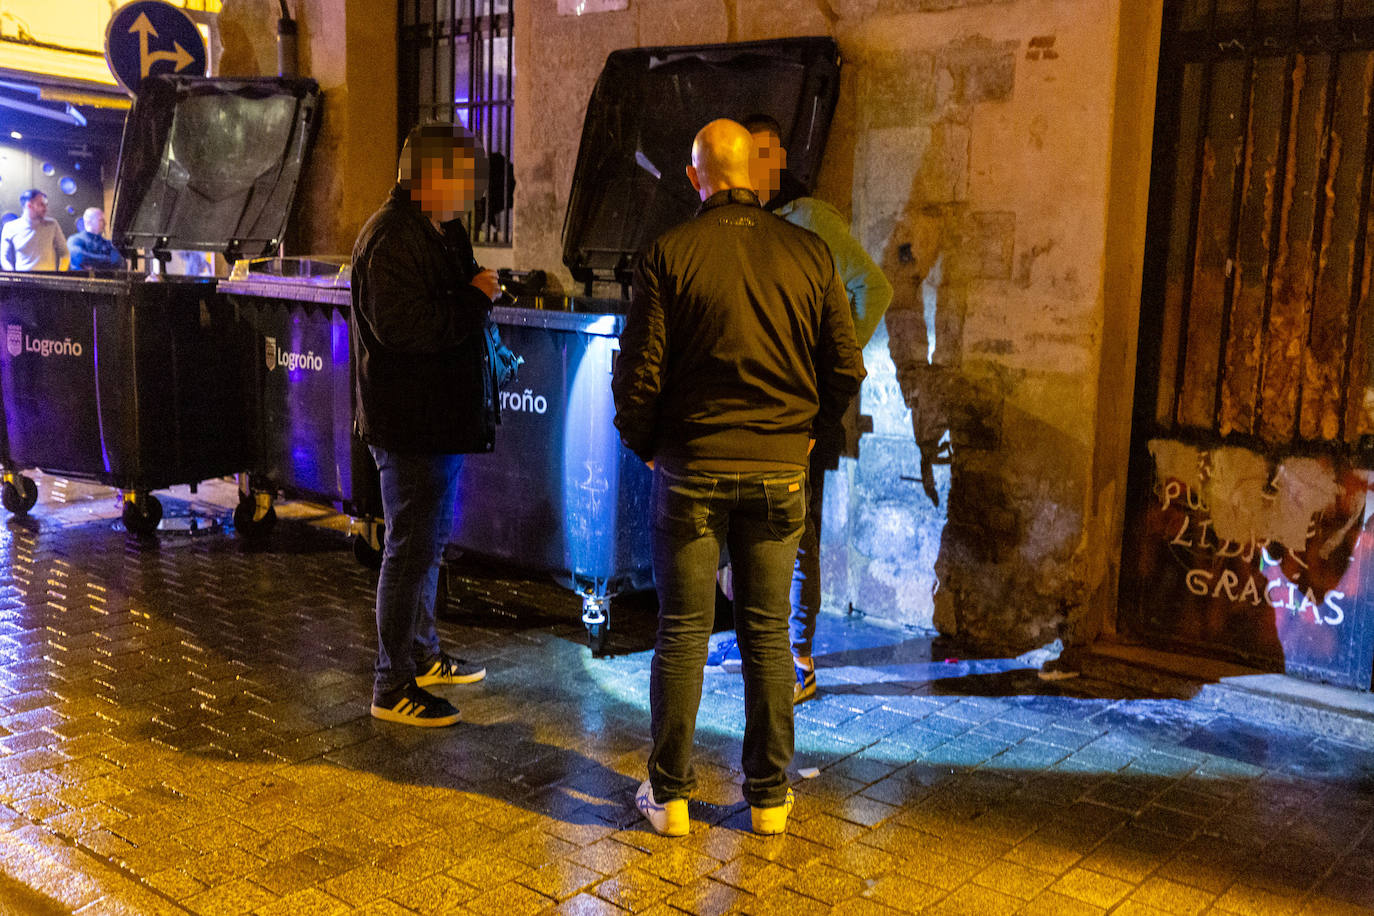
1254 416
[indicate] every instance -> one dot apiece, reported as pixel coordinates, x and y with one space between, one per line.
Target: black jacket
739 341
423 365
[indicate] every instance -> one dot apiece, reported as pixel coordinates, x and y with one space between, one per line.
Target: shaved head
93 220
721 155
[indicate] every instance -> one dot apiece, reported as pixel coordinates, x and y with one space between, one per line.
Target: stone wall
349 48
993 155
987 157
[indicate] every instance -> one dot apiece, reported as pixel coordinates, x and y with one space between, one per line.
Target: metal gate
456 64
1254 418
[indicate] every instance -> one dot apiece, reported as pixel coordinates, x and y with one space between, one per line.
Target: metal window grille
1256 317
456 65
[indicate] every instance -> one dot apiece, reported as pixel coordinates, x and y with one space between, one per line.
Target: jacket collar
400 198
729 196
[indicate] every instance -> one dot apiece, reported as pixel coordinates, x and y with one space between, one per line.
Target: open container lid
630 184
211 164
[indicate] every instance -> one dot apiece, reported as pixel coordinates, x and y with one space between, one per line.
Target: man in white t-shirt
33 241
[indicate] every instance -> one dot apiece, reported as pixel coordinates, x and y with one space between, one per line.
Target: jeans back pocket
786 498
682 504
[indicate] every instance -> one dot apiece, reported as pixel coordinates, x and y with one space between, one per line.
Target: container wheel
596 638
596 615
20 494
142 515
366 554
247 524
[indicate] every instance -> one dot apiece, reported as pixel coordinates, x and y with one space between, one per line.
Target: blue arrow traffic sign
147 37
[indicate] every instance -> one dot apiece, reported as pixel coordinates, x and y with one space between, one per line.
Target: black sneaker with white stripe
449 669
410 705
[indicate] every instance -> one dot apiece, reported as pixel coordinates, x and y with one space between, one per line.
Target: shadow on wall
1006 570
248 32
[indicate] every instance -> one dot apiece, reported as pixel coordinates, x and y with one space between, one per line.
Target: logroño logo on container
292 361
524 402
17 342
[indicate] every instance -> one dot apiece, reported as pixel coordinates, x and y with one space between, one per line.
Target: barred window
456 65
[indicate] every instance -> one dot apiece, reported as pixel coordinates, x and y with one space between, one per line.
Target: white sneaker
667 819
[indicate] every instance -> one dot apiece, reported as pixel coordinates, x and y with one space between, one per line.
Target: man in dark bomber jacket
738 345
426 394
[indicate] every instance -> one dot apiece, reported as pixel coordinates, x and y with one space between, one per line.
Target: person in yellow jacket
869 295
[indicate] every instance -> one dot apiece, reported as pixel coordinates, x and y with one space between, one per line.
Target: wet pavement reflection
184 728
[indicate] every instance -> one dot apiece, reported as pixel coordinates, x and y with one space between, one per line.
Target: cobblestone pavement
184 728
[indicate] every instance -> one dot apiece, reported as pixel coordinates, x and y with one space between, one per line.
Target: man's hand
650 463
488 283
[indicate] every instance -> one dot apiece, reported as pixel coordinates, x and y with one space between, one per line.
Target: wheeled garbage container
128 383
299 309
560 493
140 380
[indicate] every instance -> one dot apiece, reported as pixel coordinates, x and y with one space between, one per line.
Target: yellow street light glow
77 97
74 65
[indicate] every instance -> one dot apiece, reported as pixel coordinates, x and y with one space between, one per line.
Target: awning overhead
66 111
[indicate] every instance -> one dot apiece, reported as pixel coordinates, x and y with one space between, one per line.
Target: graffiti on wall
1261 560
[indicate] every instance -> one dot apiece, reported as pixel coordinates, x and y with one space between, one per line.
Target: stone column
349 48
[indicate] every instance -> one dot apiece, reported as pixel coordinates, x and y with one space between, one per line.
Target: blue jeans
806 576
418 493
759 515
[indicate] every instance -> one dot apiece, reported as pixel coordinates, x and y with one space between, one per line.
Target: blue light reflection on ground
884 697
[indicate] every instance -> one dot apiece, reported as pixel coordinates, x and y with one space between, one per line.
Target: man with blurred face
869 294
89 247
33 241
426 395
737 347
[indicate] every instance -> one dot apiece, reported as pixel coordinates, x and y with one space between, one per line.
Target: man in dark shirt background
738 345
869 295
426 395
89 248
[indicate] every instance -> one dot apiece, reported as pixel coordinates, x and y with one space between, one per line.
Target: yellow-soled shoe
668 818
804 687
769 821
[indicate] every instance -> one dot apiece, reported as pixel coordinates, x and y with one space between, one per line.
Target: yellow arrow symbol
180 57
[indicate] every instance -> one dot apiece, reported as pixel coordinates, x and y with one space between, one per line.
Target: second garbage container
139 380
